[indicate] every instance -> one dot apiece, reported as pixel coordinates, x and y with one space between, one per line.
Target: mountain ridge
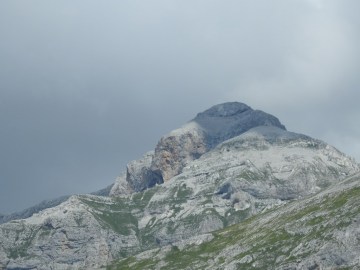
28 212
261 169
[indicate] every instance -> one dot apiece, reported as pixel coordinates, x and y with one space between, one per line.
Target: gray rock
140 176
121 187
316 232
68 236
34 209
228 120
203 133
246 259
47 204
175 150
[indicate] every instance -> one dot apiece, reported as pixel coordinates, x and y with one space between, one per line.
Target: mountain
33 209
317 232
230 166
46 204
181 146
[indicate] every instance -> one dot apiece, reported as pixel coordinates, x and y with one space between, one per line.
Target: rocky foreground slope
318 232
228 166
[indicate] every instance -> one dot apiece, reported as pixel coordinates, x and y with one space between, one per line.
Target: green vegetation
121 222
284 238
132 264
233 216
116 216
251 175
20 249
184 192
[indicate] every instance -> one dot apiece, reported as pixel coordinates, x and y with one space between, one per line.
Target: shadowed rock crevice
139 176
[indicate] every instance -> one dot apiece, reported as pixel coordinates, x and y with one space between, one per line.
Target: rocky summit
231 189
190 142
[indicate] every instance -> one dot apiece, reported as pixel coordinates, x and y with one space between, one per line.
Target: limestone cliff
181 146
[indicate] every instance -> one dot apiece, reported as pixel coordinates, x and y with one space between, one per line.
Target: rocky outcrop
121 187
175 150
181 146
138 177
28 212
228 120
171 155
68 236
34 209
204 132
139 174
275 163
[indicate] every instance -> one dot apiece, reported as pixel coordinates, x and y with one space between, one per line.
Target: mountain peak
225 110
183 145
227 120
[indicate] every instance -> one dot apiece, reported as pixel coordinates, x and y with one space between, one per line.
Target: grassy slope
277 238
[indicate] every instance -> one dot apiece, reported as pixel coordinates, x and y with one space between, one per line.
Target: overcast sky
86 86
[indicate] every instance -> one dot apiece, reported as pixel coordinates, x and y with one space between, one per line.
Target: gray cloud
86 86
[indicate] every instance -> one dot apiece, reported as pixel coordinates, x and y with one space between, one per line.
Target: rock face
175 150
139 174
203 133
228 120
274 163
67 236
138 177
34 209
172 199
47 204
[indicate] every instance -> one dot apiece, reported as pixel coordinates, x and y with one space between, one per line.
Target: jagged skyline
86 87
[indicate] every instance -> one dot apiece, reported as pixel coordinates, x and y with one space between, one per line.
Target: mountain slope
45 205
33 209
317 232
256 169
